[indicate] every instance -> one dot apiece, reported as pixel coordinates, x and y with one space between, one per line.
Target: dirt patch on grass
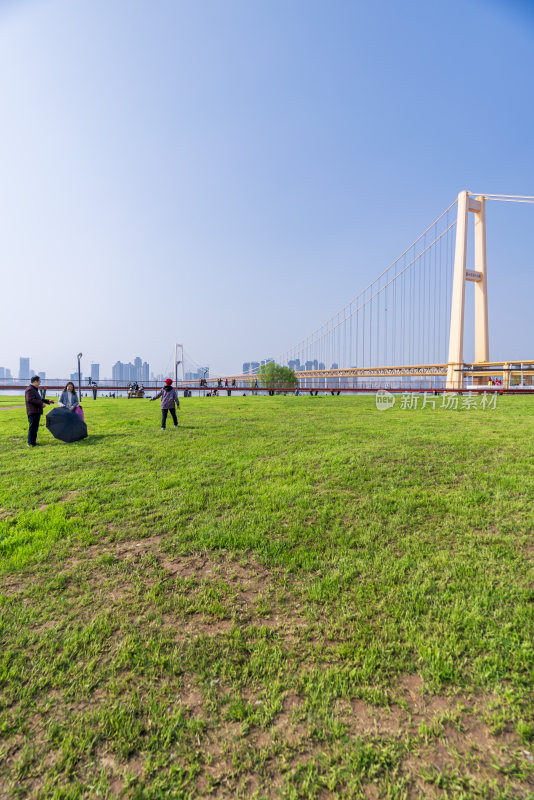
248 595
454 762
238 744
13 584
188 595
232 758
123 549
449 744
248 576
89 554
70 496
197 626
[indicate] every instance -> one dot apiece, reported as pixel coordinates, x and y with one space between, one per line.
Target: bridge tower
477 205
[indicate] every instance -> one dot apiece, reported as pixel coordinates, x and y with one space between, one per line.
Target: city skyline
121 371
138 370
252 367
125 372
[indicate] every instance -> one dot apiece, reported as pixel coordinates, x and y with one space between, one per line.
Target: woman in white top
69 398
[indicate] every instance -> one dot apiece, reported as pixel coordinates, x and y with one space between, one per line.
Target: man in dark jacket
34 409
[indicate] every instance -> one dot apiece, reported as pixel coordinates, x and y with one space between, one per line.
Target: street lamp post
79 378
204 379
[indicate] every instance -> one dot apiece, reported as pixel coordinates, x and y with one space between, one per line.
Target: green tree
274 376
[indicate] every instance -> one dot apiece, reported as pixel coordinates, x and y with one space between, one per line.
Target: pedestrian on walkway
34 409
169 397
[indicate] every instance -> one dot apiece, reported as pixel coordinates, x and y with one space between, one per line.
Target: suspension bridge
408 324
405 330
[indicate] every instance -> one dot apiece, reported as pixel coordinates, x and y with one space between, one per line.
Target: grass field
284 598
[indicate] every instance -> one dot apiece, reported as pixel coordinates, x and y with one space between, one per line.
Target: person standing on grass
169 396
68 397
34 409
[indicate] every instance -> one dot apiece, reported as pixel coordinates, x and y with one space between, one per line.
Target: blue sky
228 174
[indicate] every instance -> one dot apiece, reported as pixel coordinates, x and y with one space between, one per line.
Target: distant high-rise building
202 372
9 376
251 367
95 372
24 369
334 366
121 372
42 375
138 371
2 373
321 365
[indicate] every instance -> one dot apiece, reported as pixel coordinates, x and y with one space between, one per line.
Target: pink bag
79 410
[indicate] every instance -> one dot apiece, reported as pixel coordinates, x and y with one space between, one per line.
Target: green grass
287 597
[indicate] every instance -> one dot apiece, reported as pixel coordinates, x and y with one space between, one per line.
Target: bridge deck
512 367
232 390
509 370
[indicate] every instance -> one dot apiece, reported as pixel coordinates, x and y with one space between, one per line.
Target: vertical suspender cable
394 338
350 336
386 325
371 327
440 315
436 328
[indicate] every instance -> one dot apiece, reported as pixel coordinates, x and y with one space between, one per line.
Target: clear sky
227 173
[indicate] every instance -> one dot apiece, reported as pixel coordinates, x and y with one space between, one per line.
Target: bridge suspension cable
511 198
401 317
